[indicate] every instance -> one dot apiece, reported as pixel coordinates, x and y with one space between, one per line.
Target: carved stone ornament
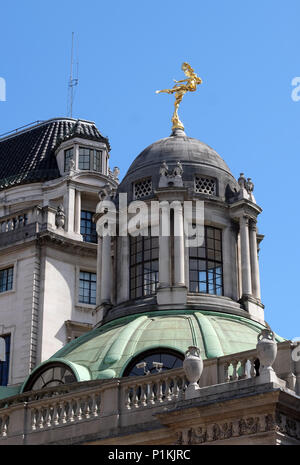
239 427
168 179
193 367
107 192
60 217
266 349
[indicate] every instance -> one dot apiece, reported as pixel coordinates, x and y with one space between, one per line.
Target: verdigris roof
106 351
28 156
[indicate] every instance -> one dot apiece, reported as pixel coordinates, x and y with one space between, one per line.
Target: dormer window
90 159
69 155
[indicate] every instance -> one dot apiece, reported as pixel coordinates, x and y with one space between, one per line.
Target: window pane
97 160
6 279
144 266
84 159
88 227
206 264
68 158
4 365
87 288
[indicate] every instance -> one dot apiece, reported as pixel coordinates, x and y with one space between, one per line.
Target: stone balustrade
25 223
120 402
153 390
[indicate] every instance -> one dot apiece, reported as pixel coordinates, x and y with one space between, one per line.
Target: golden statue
180 89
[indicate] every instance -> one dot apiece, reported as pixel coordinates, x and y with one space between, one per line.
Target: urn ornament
193 365
266 349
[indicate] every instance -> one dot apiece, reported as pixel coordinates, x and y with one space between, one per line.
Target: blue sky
247 54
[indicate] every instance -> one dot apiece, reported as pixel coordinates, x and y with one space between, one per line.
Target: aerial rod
72 81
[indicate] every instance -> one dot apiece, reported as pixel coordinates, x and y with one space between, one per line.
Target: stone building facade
155 295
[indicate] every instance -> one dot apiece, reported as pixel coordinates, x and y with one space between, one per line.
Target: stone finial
193 367
107 192
164 169
250 188
60 217
170 180
116 172
178 170
267 351
71 165
242 181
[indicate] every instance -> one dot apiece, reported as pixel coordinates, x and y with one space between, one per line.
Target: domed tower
159 291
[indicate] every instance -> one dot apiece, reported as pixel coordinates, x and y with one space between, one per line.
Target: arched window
143 266
205 264
52 375
153 361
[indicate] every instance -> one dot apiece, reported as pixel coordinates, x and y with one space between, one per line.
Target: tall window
6 279
68 158
206 271
87 288
88 227
4 365
143 266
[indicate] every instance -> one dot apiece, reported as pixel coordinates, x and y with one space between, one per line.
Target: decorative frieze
240 427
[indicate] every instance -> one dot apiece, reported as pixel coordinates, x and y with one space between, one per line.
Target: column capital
252 224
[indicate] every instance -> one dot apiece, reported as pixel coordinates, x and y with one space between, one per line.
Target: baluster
4 428
151 395
63 416
143 395
175 388
226 372
87 407
49 414
33 419
235 374
243 374
79 410
160 391
40 418
168 394
128 398
94 405
136 396
71 412
252 369
55 416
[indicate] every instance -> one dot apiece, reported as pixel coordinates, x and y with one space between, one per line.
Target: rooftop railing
100 405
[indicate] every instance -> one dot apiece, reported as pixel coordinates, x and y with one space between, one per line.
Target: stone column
123 268
99 270
230 278
245 256
106 270
164 254
254 260
69 204
179 250
77 211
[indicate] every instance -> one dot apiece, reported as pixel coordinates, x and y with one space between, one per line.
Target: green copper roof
105 352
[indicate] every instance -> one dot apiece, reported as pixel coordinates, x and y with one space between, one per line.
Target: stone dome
196 157
106 351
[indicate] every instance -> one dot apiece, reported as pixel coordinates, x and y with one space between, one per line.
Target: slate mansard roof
28 156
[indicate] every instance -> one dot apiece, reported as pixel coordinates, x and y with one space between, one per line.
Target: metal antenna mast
72 82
